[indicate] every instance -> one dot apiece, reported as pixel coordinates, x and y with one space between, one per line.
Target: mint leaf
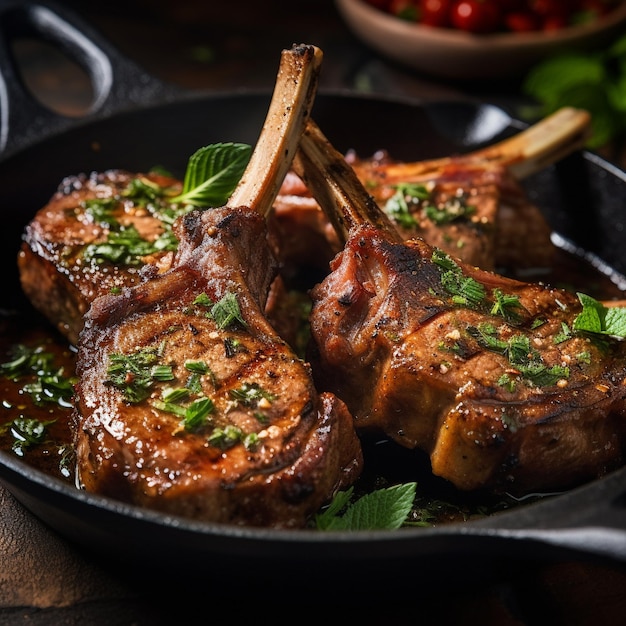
600 319
549 80
594 81
213 173
383 509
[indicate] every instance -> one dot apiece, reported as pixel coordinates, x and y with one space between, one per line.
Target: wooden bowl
455 54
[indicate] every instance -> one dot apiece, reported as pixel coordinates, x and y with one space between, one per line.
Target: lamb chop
472 206
95 236
484 373
188 400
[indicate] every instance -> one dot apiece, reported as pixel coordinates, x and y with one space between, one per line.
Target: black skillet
136 123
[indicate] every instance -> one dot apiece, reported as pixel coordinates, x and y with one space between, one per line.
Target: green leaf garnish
465 291
213 173
397 207
226 437
250 394
47 383
28 432
590 80
600 319
383 509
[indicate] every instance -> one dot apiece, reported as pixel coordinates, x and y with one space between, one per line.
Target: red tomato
406 9
550 8
383 5
476 16
435 12
555 22
521 21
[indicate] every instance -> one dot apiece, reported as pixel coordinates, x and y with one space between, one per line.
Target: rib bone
333 183
526 153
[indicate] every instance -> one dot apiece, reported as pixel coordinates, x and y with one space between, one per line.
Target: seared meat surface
188 401
476 212
484 373
94 236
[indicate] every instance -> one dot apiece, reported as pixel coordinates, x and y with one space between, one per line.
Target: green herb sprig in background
594 81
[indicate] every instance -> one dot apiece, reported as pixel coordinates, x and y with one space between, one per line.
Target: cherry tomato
383 5
554 22
550 8
521 21
476 16
435 12
405 9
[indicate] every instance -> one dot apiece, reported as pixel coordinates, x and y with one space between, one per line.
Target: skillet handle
117 82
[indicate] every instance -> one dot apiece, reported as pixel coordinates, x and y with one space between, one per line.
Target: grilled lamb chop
188 400
94 236
484 373
472 206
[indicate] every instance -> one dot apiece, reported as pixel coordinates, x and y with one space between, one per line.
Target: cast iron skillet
136 123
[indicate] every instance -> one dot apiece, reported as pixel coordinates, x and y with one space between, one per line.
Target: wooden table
225 46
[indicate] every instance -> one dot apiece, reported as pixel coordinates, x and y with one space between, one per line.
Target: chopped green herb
143 191
27 433
250 394
203 300
175 395
226 311
100 211
564 335
522 357
397 207
450 211
506 305
48 383
226 437
135 374
126 247
507 382
198 367
197 413
251 441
